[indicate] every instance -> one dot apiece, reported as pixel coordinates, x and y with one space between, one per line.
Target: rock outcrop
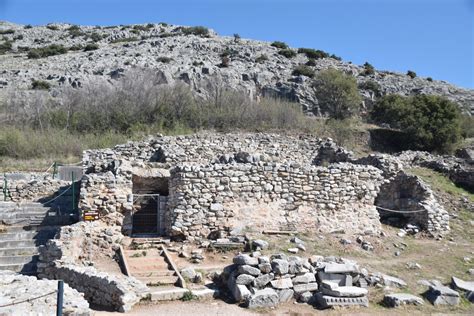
179 56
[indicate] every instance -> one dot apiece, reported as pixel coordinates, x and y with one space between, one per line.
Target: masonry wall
215 199
31 187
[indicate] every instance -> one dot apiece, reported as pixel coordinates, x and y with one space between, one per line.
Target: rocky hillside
203 60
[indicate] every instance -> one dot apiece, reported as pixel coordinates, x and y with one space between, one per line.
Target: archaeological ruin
208 186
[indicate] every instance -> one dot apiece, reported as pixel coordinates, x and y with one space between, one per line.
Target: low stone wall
69 258
103 289
205 200
414 199
31 187
21 288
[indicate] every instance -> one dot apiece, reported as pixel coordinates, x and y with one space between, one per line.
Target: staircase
150 267
25 227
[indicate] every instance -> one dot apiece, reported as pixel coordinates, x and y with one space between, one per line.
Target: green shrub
18 37
262 58
40 85
280 45
368 69
28 26
75 31
47 51
7 31
163 24
124 40
411 74
164 59
467 126
229 52
76 47
371 86
236 38
337 93
288 53
5 47
52 27
225 62
95 37
303 70
311 62
91 46
429 122
313 53
196 30
189 296
429 79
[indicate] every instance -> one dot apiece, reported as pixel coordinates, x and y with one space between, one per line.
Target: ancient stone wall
413 200
220 197
30 187
68 258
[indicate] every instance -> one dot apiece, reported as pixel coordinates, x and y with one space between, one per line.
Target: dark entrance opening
150 196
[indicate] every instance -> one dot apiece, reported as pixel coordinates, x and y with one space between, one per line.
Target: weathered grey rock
340 279
304 278
398 299
305 297
260 244
188 273
240 292
265 267
246 269
280 266
326 301
262 280
459 284
285 295
308 287
341 268
393 281
263 299
281 284
244 259
244 279
439 294
470 296
344 291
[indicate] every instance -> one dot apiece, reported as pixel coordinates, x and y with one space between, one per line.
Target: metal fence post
5 183
59 301
73 193
55 169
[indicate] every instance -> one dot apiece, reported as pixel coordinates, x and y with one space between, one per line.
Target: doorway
150 197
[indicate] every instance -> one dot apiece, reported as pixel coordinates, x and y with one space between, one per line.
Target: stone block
280 284
280 266
262 280
244 259
246 269
326 301
263 299
439 294
339 279
309 287
341 268
304 278
398 299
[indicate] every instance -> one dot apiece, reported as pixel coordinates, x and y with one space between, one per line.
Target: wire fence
398 211
28 300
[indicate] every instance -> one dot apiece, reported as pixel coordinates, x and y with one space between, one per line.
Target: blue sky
432 37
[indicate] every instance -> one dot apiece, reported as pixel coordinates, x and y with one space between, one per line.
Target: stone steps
22 235
18 259
19 251
28 268
152 268
20 243
158 280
